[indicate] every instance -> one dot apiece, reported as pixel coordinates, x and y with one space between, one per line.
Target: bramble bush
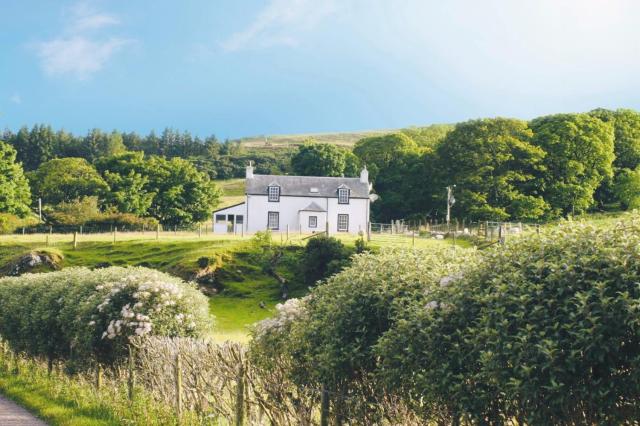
543 331
323 257
84 315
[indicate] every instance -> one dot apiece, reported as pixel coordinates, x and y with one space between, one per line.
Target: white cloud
281 22
81 49
78 55
16 98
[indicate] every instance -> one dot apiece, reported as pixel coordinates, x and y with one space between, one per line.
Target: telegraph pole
450 202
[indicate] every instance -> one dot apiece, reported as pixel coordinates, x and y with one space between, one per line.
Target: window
221 218
313 221
343 222
274 194
239 219
273 221
343 196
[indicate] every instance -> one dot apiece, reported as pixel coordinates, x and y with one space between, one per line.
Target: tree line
502 169
510 169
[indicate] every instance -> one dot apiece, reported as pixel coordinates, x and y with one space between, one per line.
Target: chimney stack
364 175
250 170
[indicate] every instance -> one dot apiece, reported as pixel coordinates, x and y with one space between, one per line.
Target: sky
242 68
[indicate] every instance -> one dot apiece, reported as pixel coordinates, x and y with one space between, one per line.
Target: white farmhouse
299 204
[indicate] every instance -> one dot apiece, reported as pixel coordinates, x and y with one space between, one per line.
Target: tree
379 151
67 179
579 155
627 188
494 166
34 147
320 159
183 195
127 177
626 127
99 144
15 194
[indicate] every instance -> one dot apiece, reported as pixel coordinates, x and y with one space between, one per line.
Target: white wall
223 228
258 206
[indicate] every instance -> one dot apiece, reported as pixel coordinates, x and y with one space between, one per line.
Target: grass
61 400
233 192
249 294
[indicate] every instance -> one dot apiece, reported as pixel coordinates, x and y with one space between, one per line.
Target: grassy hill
423 135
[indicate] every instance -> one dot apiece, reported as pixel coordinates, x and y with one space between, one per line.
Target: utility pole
450 202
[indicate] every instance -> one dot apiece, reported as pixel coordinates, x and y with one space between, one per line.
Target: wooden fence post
98 376
115 232
199 230
240 396
47 240
324 407
132 373
157 232
178 380
75 240
413 239
287 232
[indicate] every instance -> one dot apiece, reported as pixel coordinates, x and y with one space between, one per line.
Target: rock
35 261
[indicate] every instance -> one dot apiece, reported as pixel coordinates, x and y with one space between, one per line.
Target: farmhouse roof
307 186
313 207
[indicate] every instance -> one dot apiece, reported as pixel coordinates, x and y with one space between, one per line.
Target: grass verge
64 401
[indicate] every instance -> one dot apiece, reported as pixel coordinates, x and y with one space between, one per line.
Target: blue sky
241 68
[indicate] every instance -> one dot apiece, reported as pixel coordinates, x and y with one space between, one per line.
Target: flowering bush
83 314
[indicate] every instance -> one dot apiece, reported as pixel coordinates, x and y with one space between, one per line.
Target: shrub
10 223
328 339
323 257
85 212
82 314
544 331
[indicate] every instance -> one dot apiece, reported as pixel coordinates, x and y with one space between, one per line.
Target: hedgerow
543 331
86 315
327 339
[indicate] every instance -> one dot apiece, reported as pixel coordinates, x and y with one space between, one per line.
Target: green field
232 192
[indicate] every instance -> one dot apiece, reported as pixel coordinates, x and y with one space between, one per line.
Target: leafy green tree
320 159
15 194
183 195
378 152
429 136
627 188
66 180
494 166
127 177
579 155
100 144
626 126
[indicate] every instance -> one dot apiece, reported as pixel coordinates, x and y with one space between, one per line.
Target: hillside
423 135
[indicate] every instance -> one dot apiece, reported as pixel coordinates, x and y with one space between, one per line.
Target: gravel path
12 414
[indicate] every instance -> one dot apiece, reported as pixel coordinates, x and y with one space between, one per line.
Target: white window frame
344 226
313 224
274 194
275 215
343 196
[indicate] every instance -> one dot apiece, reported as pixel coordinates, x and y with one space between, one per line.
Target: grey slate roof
313 207
300 186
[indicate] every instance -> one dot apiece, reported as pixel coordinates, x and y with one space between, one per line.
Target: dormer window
343 195
274 194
